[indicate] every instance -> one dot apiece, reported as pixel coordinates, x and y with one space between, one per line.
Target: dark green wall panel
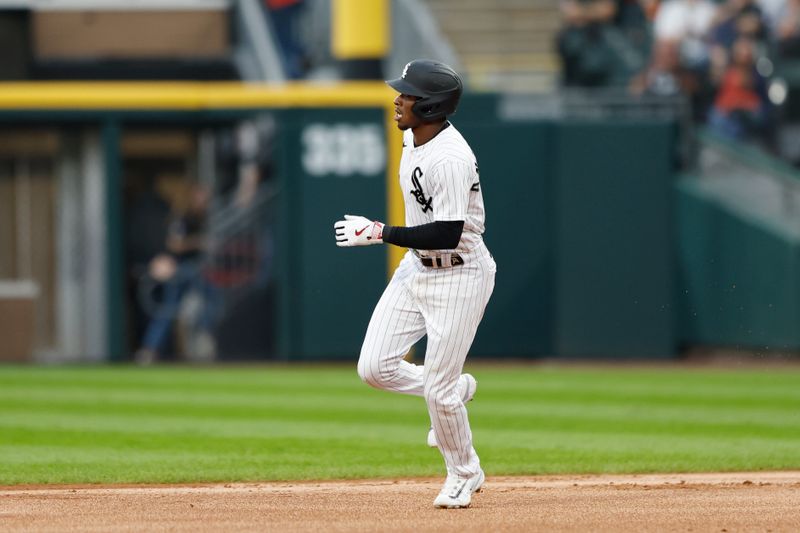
740 282
613 238
331 290
515 175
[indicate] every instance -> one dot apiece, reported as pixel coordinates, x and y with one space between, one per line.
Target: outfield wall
579 213
738 219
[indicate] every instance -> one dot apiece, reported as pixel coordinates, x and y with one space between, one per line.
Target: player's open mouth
397 114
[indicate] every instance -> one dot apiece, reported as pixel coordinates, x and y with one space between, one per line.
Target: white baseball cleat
470 386
457 491
467 385
432 439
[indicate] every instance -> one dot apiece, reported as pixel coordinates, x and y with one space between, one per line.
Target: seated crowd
720 54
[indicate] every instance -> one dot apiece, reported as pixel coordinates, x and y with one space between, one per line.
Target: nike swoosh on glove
358 231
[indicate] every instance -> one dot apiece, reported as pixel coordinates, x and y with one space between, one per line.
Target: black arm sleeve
440 235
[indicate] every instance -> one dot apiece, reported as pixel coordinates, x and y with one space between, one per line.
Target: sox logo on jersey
417 191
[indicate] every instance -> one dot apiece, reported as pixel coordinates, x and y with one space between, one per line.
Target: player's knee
367 374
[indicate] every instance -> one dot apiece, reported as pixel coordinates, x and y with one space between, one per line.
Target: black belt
455 259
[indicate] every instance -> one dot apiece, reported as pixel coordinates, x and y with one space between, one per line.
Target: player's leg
450 335
447 411
466 387
395 326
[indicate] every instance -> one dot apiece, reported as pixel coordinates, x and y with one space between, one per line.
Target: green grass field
181 424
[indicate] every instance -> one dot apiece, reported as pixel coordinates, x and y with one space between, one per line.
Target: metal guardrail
240 252
605 104
415 33
238 258
593 104
762 173
256 53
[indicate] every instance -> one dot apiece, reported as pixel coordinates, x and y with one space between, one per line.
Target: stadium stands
504 44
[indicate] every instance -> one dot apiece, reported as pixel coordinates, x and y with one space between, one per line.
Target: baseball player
444 280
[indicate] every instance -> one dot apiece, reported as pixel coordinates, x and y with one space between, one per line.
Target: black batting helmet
437 86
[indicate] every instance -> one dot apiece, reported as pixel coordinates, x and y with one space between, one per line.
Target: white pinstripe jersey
440 182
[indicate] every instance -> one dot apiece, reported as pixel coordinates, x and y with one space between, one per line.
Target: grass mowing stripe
778 415
267 408
511 378
288 436
58 425
743 394
614 419
399 432
672 394
180 376
777 386
250 406
407 433
744 397
84 424
337 458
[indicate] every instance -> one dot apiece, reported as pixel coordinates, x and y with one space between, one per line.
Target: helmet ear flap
428 111
422 109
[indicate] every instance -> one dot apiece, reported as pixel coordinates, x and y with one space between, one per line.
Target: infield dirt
763 501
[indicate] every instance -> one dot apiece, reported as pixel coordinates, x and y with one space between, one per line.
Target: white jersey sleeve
451 181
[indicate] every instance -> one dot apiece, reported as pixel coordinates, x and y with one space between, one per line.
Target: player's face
403 115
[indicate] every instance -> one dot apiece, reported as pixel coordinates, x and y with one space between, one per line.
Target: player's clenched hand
358 231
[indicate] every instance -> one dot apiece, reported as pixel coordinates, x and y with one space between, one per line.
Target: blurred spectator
664 76
285 16
649 8
631 15
586 58
736 19
634 24
773 11
788 30
147 219
686 23
179 272
680 59
741 108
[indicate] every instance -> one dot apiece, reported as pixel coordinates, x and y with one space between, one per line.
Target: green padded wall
613 239
515 170
327 293
739 272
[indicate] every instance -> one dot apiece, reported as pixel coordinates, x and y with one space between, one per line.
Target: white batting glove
358 231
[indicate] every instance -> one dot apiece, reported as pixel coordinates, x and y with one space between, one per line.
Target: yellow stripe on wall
360 29
190 95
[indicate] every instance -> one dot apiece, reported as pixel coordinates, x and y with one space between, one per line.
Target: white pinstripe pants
447 304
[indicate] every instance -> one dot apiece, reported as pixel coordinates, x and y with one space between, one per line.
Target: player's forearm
440 235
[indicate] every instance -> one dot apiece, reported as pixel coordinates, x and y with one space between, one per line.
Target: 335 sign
343 149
